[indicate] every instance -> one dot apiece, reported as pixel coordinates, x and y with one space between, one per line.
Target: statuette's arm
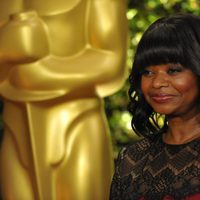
100 62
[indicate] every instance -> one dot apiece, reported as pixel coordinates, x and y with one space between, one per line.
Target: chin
164 111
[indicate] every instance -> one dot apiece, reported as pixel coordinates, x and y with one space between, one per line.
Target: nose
160 80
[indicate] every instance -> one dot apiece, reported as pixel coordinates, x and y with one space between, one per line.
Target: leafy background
140 14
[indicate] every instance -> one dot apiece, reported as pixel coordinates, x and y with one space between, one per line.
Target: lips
161 98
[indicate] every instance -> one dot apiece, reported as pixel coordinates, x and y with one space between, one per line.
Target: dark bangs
159 47
170 40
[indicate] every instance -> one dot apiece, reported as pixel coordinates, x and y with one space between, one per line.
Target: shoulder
138 149
134 156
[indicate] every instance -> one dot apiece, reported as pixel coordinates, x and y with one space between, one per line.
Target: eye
146 72
175 70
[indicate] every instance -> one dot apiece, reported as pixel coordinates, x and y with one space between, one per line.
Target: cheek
145 87
187 86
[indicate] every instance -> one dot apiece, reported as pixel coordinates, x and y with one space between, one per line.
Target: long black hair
172 39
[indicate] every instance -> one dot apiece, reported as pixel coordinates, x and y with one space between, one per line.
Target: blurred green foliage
140 14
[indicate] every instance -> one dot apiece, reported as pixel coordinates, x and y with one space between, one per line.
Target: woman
164 84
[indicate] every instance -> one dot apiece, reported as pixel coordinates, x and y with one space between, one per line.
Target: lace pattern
153 170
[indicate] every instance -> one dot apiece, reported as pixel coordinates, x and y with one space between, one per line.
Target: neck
182 130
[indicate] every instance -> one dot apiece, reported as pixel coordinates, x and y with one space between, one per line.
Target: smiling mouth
161 98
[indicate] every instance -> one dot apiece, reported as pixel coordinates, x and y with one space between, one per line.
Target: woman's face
170 89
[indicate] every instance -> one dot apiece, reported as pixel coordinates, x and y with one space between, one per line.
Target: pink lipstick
161 98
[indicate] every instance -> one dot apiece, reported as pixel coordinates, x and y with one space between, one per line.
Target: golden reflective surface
58 59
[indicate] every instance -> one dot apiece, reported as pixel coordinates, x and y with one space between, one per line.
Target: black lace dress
153 170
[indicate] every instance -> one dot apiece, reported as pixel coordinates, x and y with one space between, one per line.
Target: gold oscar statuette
58 60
